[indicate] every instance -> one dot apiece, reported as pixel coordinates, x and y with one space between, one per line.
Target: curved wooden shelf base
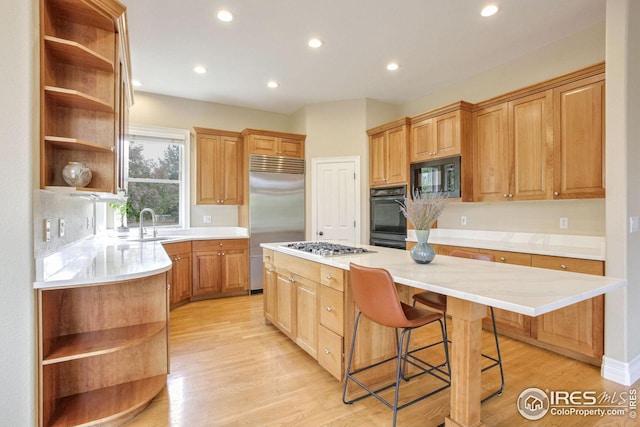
107 404
76 346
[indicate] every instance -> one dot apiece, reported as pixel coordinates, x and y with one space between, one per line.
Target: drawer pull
503 259
292 279
329 277
329 309
562 266
326 351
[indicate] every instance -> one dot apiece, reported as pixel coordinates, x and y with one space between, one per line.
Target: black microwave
437 176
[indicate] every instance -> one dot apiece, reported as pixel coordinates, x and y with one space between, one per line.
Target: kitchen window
156 174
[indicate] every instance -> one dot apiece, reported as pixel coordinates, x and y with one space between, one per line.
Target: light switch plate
206 219
61 227
47 230
564 223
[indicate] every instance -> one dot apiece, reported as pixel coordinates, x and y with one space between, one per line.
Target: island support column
465 362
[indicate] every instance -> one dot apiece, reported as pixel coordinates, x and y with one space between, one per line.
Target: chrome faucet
153 222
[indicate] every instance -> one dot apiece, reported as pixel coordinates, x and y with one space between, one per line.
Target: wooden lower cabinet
102 351
305 300
220 268
180 273
576 331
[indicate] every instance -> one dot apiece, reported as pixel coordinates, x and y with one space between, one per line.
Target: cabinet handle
504 195
326 351
292 279
329 277
562 266
510 195
502 259
329 308
220 244
222 253
555 193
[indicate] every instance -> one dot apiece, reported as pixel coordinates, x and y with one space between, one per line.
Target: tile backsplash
78 215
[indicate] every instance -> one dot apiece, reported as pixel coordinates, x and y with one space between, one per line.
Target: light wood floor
230 369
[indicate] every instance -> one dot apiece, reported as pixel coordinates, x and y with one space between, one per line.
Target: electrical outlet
206 219
61 227
633 224
564 222
463 220
47 230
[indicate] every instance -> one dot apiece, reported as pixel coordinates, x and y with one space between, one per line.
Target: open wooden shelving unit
85 90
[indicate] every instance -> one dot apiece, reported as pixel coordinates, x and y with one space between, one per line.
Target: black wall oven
388 224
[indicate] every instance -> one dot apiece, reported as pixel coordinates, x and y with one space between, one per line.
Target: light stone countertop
564 245
103 258
526 290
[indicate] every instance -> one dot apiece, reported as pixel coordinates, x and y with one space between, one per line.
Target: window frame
181 135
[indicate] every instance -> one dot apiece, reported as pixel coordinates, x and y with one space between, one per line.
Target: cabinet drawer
332 277
568 264
331 309
267 256
517 258
174 249
214 245
297 266
330 352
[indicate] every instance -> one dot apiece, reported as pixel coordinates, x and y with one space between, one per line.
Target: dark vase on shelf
422 253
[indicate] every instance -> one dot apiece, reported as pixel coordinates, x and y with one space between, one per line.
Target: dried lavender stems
423 209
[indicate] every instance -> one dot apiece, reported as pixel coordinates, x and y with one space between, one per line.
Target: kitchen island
471 286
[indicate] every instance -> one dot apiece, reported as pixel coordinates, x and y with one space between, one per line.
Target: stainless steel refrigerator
276 206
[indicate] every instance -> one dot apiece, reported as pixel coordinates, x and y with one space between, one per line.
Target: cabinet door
378 153
423 144
234 270
285 305
530 137
290 148
207 193
181 279
579 327
206 273
579 139
447 134
397 156
307 316
269 293
492 160
229 170
260 144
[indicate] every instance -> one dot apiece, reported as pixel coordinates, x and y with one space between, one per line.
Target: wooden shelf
106 404
87 344
77 190
74 53
64 143
75 99
82 13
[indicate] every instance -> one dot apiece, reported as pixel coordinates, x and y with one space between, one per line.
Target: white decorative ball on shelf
77 174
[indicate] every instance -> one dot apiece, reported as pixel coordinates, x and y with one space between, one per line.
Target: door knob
321 233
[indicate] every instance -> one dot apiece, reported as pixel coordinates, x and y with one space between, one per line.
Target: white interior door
336 199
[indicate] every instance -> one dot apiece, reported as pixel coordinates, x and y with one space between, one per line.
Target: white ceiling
435 42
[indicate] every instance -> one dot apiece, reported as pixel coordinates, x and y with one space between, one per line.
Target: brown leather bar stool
438 302
376 297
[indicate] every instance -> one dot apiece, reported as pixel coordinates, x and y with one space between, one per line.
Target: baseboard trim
625 373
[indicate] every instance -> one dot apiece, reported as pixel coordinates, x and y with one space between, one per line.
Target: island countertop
526 290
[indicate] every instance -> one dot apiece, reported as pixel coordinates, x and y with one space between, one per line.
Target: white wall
622 322
18 142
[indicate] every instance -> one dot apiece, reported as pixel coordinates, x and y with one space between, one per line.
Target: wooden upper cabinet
579 134
85 90
514 149
491 156
219 167
440 133
271 143
388 157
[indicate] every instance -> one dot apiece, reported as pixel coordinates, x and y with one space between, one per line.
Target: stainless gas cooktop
326 248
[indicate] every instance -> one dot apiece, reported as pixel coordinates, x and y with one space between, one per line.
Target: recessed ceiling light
200 70
225 16
392 66
136 83
315 43
490 10
273 84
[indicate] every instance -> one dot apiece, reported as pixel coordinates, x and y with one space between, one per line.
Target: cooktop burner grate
326 248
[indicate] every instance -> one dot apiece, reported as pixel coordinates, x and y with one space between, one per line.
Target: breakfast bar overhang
471 286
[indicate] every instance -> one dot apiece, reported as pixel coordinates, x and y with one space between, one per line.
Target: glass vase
422 253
